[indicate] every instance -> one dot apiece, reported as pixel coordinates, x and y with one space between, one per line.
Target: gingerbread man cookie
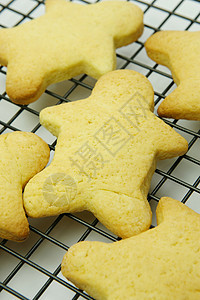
162 263
22 155
179 51
68 40
106 154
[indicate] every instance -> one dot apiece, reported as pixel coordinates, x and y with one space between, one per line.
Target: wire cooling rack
31 270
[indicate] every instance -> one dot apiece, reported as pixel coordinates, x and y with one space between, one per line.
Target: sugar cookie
106 153
179 51
70 39
162 263
22 155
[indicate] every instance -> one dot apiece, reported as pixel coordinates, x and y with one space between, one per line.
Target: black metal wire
92 227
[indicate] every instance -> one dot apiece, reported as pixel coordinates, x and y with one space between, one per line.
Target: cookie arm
167 141
123 20
93 64
52 118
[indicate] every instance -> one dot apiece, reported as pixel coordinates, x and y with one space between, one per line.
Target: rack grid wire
31 270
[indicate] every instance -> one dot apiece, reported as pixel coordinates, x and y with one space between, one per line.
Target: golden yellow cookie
68 40
161 264
106 153
22 155
179 51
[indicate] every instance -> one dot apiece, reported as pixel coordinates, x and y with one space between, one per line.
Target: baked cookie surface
162 263
23 154
105 156
70 39
179 51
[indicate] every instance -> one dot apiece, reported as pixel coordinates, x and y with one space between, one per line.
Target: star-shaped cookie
162 263
22 155
179 51
106 153
68 40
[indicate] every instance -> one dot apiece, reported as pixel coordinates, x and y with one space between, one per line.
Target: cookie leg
51 193
123 215
13 222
